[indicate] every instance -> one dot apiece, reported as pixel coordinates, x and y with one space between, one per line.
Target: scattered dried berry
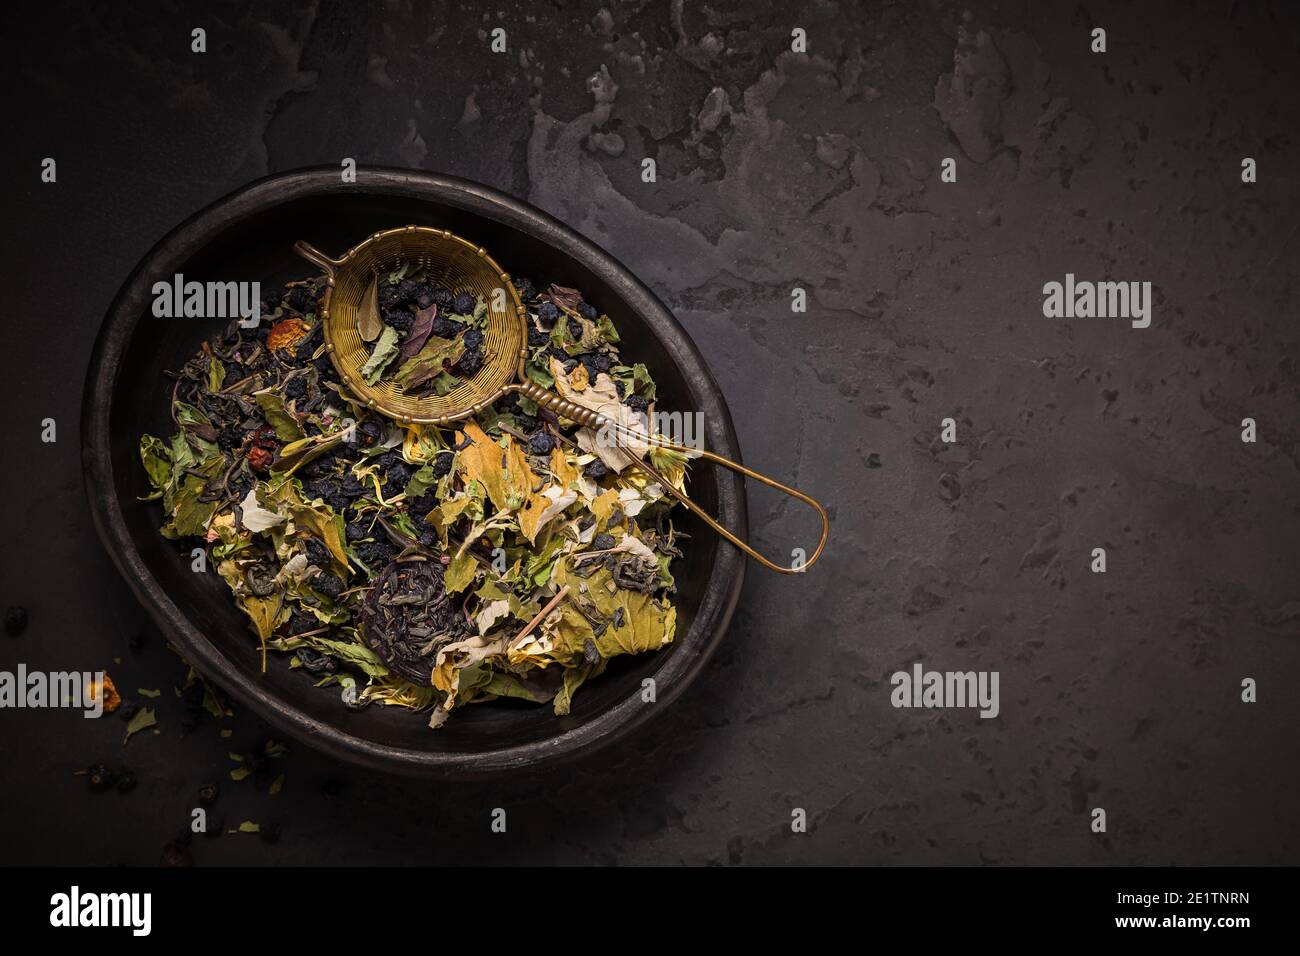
100 778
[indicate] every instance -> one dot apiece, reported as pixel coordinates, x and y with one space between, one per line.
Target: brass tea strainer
451 261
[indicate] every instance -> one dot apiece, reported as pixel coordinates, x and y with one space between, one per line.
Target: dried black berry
296 388
423 296
471 361
526 289
375 554
230 437
408 289
323 488
541 444
575 329
596 363
317 553
100 778
587 311
306 346
15 620
127 710
547 313
400 319
356 531
443 297
638 403
301 300
390 296
442 464
368 433
271 299
596 470
602 542
473 339
463 304
328 585
445 328
208 794
536 336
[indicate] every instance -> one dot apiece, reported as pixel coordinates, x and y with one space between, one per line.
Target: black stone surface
775 170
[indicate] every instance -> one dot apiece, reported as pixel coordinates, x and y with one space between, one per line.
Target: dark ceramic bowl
249 236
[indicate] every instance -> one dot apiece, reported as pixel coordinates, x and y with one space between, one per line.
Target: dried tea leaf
369 325
384 352
616 446
419 334
460 572
563 296
503 472
433 358
276 410
256 518
143 719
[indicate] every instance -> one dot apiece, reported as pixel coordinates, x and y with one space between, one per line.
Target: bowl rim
721 592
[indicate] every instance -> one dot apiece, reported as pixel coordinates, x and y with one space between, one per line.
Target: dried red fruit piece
259 459
286 333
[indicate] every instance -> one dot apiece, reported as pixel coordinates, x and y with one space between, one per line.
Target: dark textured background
775 170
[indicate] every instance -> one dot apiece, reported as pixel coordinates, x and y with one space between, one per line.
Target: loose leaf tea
509 555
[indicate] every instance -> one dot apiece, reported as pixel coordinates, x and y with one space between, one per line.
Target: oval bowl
249 236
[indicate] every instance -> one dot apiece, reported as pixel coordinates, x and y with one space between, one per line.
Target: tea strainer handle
317 258
593 419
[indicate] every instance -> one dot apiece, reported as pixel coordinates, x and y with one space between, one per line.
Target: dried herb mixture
510 555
